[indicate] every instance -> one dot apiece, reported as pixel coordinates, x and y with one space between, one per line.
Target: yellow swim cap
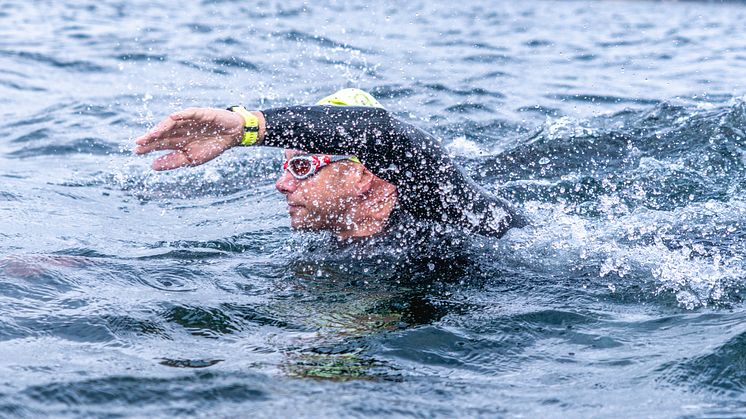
350 97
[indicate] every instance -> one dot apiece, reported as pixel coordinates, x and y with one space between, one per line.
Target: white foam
460 146
627 245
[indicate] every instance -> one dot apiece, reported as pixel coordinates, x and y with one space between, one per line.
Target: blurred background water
617 126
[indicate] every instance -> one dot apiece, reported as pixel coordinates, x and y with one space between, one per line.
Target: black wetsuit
430 186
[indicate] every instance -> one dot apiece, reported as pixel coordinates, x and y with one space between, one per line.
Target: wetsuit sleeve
429 185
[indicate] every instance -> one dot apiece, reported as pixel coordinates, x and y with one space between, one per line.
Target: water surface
618 127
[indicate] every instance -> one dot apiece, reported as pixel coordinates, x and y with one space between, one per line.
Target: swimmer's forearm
329 129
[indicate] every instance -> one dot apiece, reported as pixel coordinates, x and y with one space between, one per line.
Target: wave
303 37
719 371
93 146
46 59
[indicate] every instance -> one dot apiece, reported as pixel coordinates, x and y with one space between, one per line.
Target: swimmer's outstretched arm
430 184
196 136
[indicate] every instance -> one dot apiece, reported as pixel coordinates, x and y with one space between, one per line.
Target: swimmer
350 167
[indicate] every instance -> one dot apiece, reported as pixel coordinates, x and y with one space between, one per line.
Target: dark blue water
619 128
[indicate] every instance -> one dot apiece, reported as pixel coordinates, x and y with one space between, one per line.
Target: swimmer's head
328 199
339 192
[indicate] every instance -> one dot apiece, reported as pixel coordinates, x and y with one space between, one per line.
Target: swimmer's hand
197 135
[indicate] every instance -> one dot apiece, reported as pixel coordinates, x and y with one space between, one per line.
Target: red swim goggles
305 166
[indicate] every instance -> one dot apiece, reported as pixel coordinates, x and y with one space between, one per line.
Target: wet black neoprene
430 185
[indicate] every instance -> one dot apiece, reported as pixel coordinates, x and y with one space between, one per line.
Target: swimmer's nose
286 184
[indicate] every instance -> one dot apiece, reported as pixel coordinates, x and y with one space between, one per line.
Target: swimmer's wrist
252 129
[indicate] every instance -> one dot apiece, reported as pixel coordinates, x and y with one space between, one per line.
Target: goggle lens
304 166
299 167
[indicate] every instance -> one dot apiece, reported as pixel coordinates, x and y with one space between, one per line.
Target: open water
618 127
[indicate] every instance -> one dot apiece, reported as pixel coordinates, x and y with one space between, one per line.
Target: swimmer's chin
301 224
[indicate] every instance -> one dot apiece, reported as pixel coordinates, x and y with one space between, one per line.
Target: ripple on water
172 278
74 65
94 146
122 393
235 62
275 316
584 97
9 196
446 350
474 91
70 327
391 91
128 326
37 134
469 108
491 58
303 37
722 370
9 330
12 408
189 363
23 87
202 321
140 57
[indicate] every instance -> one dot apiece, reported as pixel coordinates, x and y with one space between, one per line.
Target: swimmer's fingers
171 161
158 145
187 117
157 132
179 129
171 136
181 136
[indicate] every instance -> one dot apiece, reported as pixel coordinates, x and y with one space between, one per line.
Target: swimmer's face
324 200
